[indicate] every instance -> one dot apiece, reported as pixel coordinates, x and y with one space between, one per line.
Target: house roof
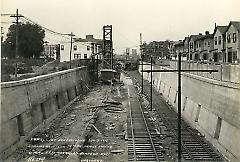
93 40
195 37
236 24
205 37
186 39
179 43
222 29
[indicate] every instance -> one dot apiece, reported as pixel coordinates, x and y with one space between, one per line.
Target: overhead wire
53 32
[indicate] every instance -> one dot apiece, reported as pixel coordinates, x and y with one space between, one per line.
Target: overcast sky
155 19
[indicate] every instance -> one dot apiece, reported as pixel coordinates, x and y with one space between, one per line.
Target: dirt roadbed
92 129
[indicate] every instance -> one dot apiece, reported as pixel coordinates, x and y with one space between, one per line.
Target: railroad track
143 144
194 147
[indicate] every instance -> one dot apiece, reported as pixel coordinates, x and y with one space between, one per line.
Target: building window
228 38
75 47
88 48
62 47
219 40
208 43
85 56
191 45
77 56
234 37
215 40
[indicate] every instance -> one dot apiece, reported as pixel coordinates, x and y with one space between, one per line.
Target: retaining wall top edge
211 81
38 78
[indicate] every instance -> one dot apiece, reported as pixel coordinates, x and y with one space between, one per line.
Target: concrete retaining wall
211 106
227 72
28 103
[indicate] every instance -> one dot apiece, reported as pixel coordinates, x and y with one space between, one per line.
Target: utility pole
70 58
97 67
17 16
151 86
141 52
112 59
2 34
179 109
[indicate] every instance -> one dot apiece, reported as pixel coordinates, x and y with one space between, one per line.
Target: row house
157 49
218 52
185 46
208 46
232 54
81 49
194 46
172 51
221 46
178 48
204 47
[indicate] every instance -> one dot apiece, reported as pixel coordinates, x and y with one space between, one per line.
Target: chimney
200 34
89 36
206 32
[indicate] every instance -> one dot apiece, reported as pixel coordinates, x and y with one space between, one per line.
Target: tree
30 41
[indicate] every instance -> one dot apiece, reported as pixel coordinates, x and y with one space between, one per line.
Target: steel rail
167 123
131 121
175 134
145 124
205 146
152 143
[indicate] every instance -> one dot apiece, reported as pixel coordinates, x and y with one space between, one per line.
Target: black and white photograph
120 81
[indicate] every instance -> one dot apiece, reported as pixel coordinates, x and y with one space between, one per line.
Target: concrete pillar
72 93
50 107
10 135
37 116
27 122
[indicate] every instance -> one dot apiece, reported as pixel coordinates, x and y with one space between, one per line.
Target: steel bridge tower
107 47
